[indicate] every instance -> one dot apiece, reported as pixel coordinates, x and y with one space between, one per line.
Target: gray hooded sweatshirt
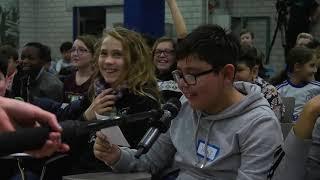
237 143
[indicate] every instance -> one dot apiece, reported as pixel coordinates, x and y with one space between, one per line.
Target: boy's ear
229 72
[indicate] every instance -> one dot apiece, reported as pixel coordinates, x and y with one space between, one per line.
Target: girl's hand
104 102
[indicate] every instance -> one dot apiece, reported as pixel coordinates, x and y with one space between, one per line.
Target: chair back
288 103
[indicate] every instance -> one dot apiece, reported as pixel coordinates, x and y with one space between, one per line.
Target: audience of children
247 39
120 75
222 131
247 70
124 81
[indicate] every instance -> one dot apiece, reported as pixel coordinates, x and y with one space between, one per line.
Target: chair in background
286 122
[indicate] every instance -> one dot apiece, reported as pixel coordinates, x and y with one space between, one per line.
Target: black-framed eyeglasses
190 79
79 51
166 52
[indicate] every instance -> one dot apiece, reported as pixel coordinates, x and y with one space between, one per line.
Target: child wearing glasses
164 55
223 130
76 85
164 59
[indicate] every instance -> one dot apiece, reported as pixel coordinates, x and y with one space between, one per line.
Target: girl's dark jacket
81 156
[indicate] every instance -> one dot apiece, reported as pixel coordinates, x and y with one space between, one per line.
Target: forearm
160 154
177 19
305 124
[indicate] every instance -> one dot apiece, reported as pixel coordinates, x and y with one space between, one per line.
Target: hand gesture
105 151
103 103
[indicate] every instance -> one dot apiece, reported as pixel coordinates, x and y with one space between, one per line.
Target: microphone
33 138
170 111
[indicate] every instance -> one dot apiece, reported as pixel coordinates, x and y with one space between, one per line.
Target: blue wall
145 16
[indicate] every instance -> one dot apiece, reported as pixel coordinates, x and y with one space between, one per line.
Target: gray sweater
300 159
240 142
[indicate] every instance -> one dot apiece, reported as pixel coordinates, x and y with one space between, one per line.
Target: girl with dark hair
297 80
76 85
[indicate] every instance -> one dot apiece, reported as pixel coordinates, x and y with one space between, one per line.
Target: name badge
212 153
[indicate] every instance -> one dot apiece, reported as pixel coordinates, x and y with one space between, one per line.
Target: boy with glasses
223 130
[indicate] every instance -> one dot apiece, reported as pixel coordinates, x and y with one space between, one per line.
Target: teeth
110 70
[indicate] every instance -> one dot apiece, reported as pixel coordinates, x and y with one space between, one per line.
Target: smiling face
164 56
80 54
207 91
111 60
30 57
305 72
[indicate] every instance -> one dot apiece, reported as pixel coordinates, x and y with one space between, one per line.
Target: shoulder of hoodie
262 117
255 117
262 111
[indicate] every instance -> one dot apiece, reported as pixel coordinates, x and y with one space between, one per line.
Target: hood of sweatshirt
253 98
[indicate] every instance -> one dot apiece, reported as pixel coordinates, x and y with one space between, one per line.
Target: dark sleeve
134 131
72 111
143 103
55 90
47 104
179 40
49 86
16 85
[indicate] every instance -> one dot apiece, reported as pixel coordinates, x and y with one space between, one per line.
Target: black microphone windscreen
173 105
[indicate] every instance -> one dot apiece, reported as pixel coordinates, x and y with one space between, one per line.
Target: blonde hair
305 36
139 75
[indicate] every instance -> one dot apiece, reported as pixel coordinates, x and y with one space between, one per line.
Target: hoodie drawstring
196 135
206 141
206 146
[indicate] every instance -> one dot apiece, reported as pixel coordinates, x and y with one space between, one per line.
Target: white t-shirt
302 93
